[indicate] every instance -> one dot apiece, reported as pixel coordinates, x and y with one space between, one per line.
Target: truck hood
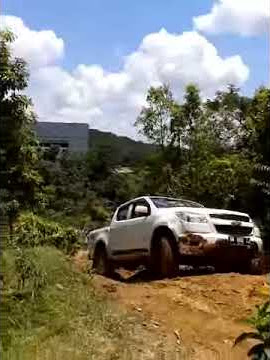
222 211
206 211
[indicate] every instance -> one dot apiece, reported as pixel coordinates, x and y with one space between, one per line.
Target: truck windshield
163 202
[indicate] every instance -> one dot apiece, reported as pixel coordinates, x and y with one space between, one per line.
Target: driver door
140 226
130 231
120 237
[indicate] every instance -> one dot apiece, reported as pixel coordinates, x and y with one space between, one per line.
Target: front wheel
163 260
252 266
101 263
256 266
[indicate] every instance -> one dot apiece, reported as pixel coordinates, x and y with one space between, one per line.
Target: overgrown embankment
50 310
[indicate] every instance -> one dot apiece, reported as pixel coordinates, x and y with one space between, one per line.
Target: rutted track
202 312
205 313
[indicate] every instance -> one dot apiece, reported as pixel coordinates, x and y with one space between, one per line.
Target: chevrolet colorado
162 233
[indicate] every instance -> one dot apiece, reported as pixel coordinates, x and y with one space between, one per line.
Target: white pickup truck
162 233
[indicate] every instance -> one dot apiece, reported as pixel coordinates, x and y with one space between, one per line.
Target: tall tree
18 145
154 121
259 122
227 113
192 106
191 130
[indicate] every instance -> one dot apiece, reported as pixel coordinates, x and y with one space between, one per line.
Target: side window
140 208
122 213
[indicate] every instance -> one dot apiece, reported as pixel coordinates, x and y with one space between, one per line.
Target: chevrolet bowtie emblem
236 223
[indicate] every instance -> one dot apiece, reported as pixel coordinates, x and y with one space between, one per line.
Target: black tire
163 259
101 263
244 268
256 266
222 269
250 267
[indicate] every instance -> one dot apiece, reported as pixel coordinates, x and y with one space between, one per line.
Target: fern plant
261 322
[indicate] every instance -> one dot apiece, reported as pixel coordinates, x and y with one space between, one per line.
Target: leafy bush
98 212
30 276
261 322
32 230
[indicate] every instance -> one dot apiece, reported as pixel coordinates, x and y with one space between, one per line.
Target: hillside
123 149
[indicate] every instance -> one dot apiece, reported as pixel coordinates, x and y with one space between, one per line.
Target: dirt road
204 313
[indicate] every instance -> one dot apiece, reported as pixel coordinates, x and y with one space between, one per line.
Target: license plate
238 240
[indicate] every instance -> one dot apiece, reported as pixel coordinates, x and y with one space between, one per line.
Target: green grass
64 318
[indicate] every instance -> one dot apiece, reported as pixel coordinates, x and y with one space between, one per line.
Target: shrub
30 276
32 230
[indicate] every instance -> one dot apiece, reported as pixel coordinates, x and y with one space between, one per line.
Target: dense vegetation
215 151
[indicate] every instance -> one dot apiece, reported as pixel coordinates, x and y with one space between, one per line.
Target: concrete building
71 137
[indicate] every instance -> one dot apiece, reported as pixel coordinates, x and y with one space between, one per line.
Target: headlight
256 231
192 217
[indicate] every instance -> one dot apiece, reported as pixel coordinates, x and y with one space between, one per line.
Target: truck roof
151 198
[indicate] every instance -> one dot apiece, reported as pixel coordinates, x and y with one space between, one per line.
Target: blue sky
103 32
94 30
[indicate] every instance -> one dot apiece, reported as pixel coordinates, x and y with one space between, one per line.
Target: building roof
47 129
73 135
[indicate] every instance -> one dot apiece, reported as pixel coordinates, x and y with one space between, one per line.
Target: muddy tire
256 266
244 269
250 267
163 260
101 263
222 269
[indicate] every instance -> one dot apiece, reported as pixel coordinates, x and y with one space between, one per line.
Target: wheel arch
163 230
100 244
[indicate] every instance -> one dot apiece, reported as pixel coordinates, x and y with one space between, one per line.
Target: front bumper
219 245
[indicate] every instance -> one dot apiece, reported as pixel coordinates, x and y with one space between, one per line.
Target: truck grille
230 217
234 230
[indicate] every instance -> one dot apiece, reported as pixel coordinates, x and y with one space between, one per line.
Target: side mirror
141 210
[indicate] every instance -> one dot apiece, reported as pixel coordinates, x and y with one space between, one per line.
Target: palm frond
257 349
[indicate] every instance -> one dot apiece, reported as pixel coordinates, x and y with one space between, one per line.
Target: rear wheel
163 260
101 263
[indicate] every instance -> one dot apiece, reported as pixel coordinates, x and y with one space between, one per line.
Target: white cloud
245 17
38 48
112 100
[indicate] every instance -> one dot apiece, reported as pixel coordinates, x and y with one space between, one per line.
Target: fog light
223 242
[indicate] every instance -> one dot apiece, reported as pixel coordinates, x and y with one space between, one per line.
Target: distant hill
124 150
